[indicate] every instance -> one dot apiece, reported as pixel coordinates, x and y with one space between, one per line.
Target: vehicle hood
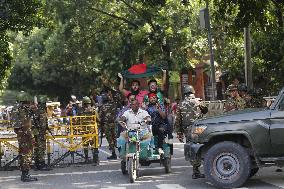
236 116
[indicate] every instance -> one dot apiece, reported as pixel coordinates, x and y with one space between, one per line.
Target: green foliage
88 42
265 17
84 44
16 15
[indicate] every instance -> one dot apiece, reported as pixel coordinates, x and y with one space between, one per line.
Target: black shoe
26 177
113 156
96 160
197 175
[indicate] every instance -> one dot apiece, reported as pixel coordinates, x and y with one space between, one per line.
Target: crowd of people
114 111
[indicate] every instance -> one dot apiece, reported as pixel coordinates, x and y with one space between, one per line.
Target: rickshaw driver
136 117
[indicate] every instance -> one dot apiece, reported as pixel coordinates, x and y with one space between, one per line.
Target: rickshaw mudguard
145 149
121 145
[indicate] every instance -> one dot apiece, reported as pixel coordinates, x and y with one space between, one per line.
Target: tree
15 16
266 21
88 42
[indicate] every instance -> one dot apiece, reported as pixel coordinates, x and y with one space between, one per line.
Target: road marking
91 172
170 186
87 186
178 143
209 183
80 183
274 181
105 152
112 187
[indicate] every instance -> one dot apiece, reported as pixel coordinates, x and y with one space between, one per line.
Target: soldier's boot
26 177
113 156
95 156
197 174
86 155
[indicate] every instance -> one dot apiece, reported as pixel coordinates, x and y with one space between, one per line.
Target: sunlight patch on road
170 186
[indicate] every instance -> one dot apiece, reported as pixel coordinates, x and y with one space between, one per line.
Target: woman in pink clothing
135 90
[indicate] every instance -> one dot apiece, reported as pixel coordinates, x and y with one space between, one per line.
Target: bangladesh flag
140 71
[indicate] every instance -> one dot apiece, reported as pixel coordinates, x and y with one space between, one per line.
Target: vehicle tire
253 171
123 167
227 165
168 165
132 170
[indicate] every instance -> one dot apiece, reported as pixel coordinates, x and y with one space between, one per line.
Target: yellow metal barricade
73 133
8 143
65 134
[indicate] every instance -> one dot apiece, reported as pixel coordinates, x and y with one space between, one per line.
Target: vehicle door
277 129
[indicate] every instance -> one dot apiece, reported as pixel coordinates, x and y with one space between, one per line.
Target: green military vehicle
234 146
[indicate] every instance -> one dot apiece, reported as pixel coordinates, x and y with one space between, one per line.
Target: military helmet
43 99
232 87
24 97
188 89
86 100
243 87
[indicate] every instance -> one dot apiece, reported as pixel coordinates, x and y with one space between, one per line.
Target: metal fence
65 141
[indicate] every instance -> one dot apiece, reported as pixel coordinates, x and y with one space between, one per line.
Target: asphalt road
108 176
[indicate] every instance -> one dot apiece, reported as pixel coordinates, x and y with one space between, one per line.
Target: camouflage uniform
107 113
234 102
88 111
243 89
21 122
187 112
39 128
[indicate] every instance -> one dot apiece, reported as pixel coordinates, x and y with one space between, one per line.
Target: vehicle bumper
192 151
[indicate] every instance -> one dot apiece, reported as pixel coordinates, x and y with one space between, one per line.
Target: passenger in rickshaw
153 88
158 119
135 89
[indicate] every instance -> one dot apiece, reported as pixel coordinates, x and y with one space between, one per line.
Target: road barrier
76 132
66 136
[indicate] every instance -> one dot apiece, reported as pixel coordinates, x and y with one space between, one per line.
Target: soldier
243 91
235 101
107 113
88 110
189 110
39 128
21 122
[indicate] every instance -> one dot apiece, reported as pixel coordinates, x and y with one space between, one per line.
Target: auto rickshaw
136 152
